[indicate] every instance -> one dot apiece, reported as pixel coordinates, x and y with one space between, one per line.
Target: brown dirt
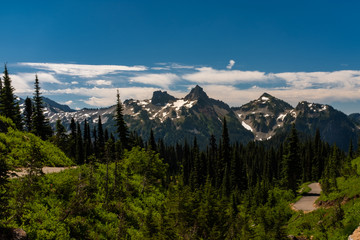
20 172
355 235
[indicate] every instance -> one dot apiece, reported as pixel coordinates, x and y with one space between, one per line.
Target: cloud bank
82 70
97 84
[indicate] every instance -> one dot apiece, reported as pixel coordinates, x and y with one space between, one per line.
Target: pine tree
79 145
41 125
72 142
226 144
101 139
87 141
351 150
152 143
106 135
60 136
96 142
292 168
212 159
122 129
28 111
9 106
195 170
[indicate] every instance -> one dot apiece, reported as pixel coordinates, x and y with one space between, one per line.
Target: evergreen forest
122 186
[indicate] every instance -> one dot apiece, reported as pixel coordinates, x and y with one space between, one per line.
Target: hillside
19 147
338 214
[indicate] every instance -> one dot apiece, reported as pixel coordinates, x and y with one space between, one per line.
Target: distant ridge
197 115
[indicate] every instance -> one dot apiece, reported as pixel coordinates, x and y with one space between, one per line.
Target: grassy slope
17 147
340 215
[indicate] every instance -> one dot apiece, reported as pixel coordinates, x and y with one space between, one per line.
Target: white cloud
237 97
160 68
82 70
179 66
162 80
298 80
99 82
209 75
336 79
231 64
100 102
24 82
68 102
74 82
101 97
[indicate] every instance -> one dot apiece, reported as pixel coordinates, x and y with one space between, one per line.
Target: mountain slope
263 116
197 115
173 120
334 126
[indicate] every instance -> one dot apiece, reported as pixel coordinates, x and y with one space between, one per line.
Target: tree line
226 190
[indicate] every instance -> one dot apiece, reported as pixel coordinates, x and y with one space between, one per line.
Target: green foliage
121 127
6 123
9 106
16 146
40 125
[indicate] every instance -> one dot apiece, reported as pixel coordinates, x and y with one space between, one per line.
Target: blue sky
236 50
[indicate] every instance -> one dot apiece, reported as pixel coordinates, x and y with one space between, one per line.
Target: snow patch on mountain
281 117
246 126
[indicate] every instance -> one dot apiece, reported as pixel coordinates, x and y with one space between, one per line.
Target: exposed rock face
175 119
334 126
161 98
196 94
13 234
263 116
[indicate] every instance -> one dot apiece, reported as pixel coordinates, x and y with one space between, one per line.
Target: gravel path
307 202
22 171
355 235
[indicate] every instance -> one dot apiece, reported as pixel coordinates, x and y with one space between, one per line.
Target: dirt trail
22 171
307 202
355 235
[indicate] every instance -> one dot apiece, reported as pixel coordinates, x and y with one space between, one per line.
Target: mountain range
175 120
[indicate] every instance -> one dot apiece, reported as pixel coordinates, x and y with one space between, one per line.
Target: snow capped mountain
196 115
335 126
263 116
172 119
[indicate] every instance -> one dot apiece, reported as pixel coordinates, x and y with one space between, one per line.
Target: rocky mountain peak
311 107
196 93
161 98
266 95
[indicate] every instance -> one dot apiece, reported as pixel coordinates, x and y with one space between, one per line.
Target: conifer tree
351 150
72 141
87 141
316 164
96 142
291 162
41 125
1 88
196 168
152 143
79 145
101 139
226 144
9 106
60 136
28 111
212 158
122 129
